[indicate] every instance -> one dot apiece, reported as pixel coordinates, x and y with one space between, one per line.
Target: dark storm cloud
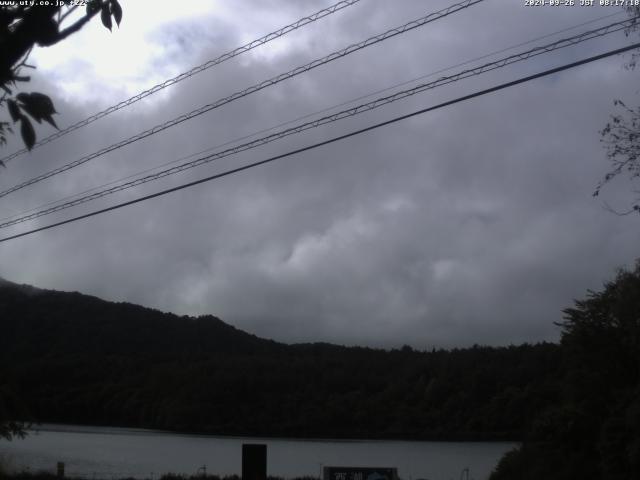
473 224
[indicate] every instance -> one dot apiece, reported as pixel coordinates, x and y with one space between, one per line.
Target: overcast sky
470 224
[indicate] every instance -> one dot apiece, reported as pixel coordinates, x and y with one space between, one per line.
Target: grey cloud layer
474 224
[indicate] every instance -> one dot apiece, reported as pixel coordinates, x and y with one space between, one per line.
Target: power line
331 118
331 140
309 115
563 43
194 71
255 88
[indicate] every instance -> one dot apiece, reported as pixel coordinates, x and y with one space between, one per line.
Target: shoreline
119 430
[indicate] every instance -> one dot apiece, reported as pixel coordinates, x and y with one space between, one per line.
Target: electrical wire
194 71
331 140
255 88
563 43
309 115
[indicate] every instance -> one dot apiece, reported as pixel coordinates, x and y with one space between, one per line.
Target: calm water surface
96 452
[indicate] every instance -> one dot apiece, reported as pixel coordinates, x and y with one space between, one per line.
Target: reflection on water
96 452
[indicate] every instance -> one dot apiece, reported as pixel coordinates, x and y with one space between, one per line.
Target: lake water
106 453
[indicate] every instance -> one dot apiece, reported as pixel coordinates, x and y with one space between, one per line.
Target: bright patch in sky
123 62
472 224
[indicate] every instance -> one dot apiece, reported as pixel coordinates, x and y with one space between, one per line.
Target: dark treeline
166 476
593 431
73 358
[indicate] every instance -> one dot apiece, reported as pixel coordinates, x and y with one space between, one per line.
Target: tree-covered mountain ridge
74 358
74 322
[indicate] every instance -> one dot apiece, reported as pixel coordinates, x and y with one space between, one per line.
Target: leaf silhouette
49 119
116 9
92 6
105 16
43 103
39 106
28 133
14 110
35 114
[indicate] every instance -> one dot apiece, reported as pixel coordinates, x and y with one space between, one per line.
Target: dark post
254 461
60 469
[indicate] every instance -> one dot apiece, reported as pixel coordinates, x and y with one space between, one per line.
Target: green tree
23 27
594 432
621 135
11 414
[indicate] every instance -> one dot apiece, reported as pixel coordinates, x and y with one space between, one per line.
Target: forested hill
39 322
74 358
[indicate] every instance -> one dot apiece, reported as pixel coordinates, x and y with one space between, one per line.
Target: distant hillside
81 324
74 358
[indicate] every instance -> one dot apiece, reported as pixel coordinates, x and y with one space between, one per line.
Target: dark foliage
594 432
621 135
78 359
167 476
11 410
23 26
